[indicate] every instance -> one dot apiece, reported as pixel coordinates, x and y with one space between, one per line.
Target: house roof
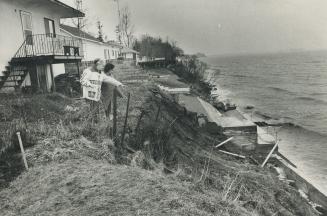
113 43
75 32
64 10
74 12
78 33
128 50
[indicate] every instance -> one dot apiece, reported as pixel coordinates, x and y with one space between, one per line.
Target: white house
30 45
129 54
92 46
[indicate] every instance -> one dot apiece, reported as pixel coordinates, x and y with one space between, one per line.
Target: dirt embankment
167 165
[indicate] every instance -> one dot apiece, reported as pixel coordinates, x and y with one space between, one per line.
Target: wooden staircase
13 77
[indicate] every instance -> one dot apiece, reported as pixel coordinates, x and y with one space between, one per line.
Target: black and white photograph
163 107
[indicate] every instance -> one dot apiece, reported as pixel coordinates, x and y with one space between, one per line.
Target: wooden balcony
49 48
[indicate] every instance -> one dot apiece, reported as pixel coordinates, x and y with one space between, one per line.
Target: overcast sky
222 26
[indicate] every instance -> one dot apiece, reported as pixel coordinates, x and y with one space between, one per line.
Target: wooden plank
286 159
233 154
269 155
222 143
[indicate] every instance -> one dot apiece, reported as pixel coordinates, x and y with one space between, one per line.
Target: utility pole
118 28
79 6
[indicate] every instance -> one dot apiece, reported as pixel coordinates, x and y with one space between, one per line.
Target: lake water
283 88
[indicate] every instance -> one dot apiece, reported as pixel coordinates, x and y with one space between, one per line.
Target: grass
172 171
92 187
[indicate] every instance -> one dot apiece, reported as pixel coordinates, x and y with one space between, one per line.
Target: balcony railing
49 45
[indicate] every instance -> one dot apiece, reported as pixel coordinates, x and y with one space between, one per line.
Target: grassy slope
74 171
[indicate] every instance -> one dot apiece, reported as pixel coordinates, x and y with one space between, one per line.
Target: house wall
93 50
10 22
114 52
128 55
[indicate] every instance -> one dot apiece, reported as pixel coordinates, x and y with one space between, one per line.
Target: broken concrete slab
175 90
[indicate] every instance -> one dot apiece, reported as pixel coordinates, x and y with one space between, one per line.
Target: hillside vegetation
166 166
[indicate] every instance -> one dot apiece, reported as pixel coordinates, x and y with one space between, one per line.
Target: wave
262 115
313 62
318 93
303 130
239 75
310 99
284 122
277 89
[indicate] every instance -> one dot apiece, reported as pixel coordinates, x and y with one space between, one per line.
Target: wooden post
78 71
233 154
139 122
158 112
125 123
52 79
229 139
269 155
22 149
114 112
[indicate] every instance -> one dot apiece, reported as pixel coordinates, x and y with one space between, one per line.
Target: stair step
14 78
13 81
6 84
16 73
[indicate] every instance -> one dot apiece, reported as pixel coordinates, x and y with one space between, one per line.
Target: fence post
53 47
22 149
114 112
158 112
125 123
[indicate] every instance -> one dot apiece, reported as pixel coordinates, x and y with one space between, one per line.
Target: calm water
284 88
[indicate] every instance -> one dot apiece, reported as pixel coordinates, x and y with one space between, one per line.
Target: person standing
107 90
91 81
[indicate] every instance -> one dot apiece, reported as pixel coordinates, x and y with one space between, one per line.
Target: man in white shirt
91 81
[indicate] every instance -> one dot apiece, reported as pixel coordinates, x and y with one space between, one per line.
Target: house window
105 54
50 30
26 18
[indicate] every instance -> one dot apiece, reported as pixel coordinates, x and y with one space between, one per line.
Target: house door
27 27
51 46
44 77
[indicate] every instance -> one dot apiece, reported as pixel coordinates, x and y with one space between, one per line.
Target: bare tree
100 32
118 28
80 22
125 27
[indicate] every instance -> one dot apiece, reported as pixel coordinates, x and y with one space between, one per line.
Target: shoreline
312 190
185 162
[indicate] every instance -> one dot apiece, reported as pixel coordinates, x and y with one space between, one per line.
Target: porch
35 59
50 48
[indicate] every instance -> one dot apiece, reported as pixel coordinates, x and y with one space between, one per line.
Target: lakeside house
92 46
31 48
130 54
